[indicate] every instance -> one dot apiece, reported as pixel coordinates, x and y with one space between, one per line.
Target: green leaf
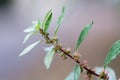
27 49
113 53
83 34
49 56
38 25
27 37
111 72
47 20
75 74
60 19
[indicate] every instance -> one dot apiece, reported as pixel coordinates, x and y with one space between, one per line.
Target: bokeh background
16 15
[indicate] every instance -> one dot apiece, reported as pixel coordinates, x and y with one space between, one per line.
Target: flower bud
76 56
68 50
104 75
55 38
58 46
63 56
84 63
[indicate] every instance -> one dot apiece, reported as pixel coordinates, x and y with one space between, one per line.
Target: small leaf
83 34
27 37
111 72
29 29
60 19
49 56
47 20
75 74
26 50
34 28
113 53
38 25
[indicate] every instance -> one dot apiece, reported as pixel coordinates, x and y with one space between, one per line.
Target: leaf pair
50 50
37 25
35 29
32 30
48 18
75 74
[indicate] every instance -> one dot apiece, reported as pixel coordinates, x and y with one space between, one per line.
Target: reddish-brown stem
78 62
86 68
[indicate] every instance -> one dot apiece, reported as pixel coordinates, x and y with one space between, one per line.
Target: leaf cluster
55 47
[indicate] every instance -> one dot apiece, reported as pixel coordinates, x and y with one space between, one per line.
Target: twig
78 62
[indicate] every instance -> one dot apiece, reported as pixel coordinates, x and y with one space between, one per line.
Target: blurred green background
16 15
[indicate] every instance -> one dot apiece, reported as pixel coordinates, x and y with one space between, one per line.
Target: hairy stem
70 56
89 70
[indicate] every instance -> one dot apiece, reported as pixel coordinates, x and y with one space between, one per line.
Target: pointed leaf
29 29
26 50
75 74
37 26
34 28
34 22
111 72
113 53
60 19
49 56
83 34
27 37
47 20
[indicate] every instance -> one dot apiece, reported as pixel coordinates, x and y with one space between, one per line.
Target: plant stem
86 68
78 62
